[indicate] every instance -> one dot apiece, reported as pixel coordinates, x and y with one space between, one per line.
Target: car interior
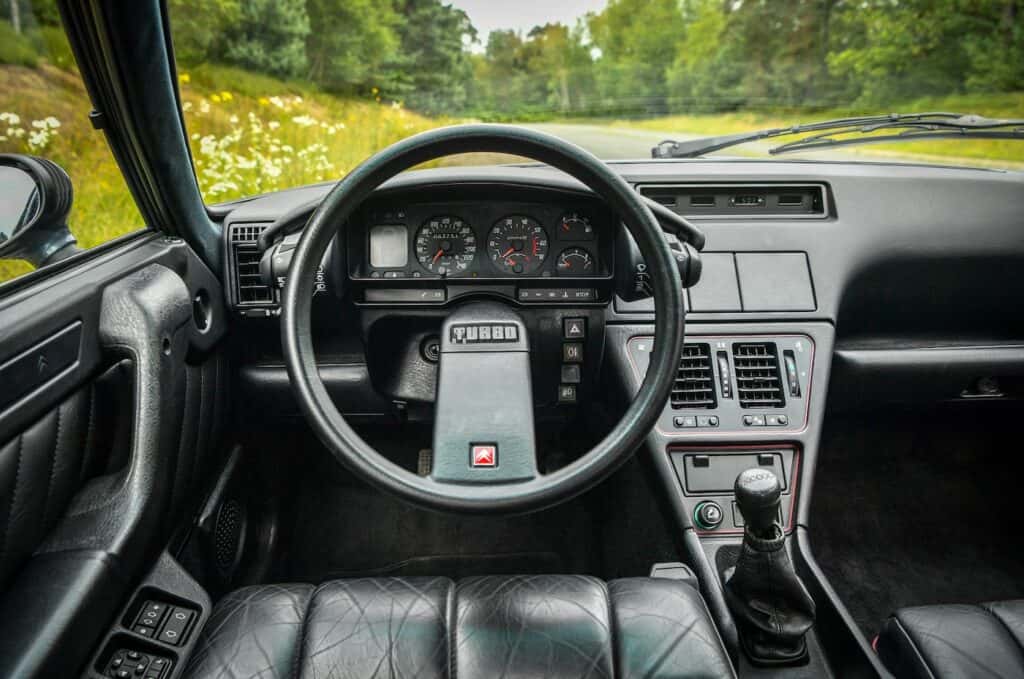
561 418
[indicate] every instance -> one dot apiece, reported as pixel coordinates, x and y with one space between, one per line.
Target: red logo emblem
484 455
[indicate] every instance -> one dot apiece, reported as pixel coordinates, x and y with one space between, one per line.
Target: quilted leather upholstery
955 641
87 436
40 469
495 626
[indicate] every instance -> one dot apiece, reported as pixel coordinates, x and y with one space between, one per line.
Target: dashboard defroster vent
758 379
695 383
250 290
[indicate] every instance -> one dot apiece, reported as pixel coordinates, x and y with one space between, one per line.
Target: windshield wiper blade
972 126
943 123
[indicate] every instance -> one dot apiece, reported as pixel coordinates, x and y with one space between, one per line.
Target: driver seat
508 626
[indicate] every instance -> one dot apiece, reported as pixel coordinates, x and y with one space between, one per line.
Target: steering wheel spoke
483 424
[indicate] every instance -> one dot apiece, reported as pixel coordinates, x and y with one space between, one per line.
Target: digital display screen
389 246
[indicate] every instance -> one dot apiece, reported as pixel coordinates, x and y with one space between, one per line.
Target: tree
270 37
200 28
353 42
637 40
433 69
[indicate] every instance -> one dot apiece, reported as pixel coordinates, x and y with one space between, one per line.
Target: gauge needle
437 256
508 252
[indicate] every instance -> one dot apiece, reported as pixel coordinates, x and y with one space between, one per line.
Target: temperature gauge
575 262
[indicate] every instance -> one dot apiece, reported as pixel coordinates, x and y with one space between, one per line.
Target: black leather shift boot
771 605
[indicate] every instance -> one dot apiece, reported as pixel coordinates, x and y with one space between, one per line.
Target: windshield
279 93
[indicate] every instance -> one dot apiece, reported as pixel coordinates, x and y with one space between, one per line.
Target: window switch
176 628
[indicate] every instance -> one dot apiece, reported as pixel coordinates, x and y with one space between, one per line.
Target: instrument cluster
481 239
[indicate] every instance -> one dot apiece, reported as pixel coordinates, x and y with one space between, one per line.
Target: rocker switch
176 628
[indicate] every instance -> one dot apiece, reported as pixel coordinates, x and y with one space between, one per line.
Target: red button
484 455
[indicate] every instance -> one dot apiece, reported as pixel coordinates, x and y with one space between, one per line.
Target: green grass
998 153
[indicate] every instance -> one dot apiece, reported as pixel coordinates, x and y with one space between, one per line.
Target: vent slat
758 379
249 287
694 385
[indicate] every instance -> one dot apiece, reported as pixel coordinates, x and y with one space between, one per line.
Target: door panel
102 455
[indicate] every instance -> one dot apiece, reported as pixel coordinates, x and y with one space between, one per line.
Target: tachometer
517 244
445 245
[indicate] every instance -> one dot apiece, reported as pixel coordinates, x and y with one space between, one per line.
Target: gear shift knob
758 494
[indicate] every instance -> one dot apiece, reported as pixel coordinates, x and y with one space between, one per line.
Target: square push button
572 352
483 455
574 328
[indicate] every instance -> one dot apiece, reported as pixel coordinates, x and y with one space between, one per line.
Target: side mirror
35 198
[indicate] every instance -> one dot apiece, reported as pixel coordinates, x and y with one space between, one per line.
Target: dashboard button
498 333
485 333
572 352
574 328
571 374
567 393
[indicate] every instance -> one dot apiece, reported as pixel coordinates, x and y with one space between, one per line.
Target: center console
733 392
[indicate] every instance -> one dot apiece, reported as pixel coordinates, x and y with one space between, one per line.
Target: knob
708 515
758 494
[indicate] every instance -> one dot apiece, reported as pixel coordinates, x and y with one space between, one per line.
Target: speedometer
517 244
445 245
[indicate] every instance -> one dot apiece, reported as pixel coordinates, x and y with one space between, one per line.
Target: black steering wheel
466 427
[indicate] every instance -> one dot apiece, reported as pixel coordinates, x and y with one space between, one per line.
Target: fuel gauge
574 226
575 262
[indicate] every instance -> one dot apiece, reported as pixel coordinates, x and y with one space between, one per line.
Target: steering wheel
469 426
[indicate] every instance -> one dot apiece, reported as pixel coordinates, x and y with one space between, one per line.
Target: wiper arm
973 126
953 124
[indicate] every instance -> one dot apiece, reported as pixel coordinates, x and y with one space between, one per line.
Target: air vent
742 201
758 382
695 384
249 287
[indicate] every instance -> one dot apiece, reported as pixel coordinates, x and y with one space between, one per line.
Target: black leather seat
508 626
955 641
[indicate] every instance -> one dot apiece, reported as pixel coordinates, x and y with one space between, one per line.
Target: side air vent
245 259
695 384
758 381
742 201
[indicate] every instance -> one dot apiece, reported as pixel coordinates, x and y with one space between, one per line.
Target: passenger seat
957 640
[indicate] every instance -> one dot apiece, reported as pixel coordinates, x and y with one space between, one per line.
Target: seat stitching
988 609
913 647
14 494
296 661
53 465
451 628
611 627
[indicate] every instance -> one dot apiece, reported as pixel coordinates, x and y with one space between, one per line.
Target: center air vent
742 201
250 290
695 385
758 381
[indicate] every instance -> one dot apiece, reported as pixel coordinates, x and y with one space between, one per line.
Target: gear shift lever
759 495
771 605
